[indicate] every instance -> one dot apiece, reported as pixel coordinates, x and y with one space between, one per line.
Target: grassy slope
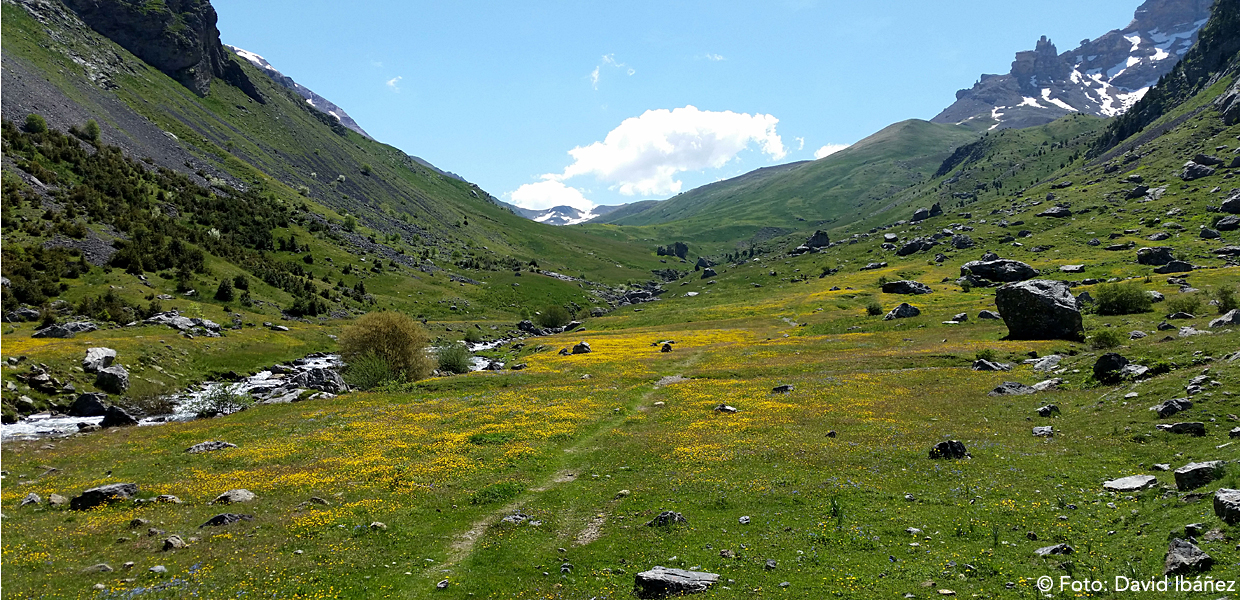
825 193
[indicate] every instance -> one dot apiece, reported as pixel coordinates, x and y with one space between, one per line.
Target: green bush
91 131
454 358
1186 303
225 293
553 316
369 371
35 123
873 308
473 336
1226 298
221 401
1121 299
392 336
1105 339
986 354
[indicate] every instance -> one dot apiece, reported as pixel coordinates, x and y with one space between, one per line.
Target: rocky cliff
315 100
178 37
1102 77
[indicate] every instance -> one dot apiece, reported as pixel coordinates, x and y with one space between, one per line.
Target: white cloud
392 83
714 57
829 149
800 143
610 60
548 193
644 154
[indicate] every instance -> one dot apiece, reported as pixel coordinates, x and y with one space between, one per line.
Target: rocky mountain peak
1103 77
178 37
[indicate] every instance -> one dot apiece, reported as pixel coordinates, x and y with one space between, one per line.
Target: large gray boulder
322 379
1227 505
1156 256
1175 266
820 239
1232 204
1228 224
89 405
1193 170
961 241
915 246
113 379
1231 319
1001 270
950 449
1057 212
661 582
1195 475
65 330
906 287
1185 558
904 311
921 214
103 494
1040 309
117 417
98 358
1170 407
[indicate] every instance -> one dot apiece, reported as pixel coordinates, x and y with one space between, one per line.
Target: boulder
223 519
321 379
1047 363
708 272
117 417
1230 319
65 330
661 582
951 449
1157 256
872 266
982 364
988 314
1170 407
1057 212
174 542
921 214
703 262
1155 297
1000 270
914 246
1108 367
1195 475
209 447
31 498
1228 224
1175 266
1209 234
1187 428
820 239
1012 388
935 209
1193 170
1072 268
114 379
103 494
906 287
1185 558
98 358
1039 309
667 518
1132 483
238 495
904 311
1227 505
1049 410
89 405
961 241
1232 204
1044 431
581 348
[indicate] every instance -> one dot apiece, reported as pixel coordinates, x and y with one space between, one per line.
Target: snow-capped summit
1102 77
313 99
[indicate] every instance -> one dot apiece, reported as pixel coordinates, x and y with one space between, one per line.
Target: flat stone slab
661 582
1132 483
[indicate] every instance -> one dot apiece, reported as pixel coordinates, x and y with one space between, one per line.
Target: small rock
951 449
238 495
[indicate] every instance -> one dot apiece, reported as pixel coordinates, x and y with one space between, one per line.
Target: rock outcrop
1040 309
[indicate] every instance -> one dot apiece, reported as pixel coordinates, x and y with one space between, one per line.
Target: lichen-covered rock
1039 309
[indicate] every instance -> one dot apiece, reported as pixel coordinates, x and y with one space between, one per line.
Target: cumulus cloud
392 83
644 154
548 193
829 149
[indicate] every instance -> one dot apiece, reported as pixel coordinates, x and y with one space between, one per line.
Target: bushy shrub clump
1121 299
387 337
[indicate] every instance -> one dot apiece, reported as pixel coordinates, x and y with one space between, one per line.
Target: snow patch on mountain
313 99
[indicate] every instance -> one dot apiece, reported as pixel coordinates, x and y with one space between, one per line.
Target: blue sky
591 102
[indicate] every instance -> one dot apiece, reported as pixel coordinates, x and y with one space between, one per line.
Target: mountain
563 215
824 193
312 98
1102 77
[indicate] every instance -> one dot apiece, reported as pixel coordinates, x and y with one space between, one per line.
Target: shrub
553 316
1121 299
221 401
1105 339
454 358
873 308
1226 299
91 131
35 123
392 336
370 371
241 282
225 293
147 398
986 354
1186 303
473 336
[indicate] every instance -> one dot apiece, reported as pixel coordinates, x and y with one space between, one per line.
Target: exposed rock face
1039 309
1001 270
177 37
1103 77
64 330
